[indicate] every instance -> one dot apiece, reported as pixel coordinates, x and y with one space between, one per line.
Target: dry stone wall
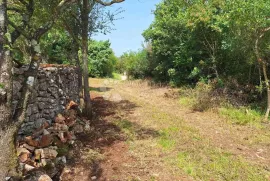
54 87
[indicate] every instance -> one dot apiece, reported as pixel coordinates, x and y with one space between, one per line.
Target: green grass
187 101
116 76
166 139
127 128
242 116
212 164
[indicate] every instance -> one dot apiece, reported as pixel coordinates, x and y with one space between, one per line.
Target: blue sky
137 17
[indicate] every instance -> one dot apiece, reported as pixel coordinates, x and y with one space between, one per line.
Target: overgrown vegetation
202 41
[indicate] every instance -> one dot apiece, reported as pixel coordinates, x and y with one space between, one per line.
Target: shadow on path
105 137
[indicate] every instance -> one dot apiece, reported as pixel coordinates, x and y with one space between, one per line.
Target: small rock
21 150
29 140
46 132
28 147
93 178
62 138
45 141
50 153
44 178
23 157
28 167
71 105
87 127
78 128
60 119
39 154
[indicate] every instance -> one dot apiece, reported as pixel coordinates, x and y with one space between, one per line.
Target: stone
34 109
41 105
62 137
45 141
71 105
62 159
70 121
78 128
60 127
60 119
44 178
29 140
87 127
23 157
28 147
50 153
93 178
40 122
28 168
46 132
21 150
39 154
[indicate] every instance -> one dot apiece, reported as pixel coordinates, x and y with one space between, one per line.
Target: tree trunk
88 105
264 69
5 70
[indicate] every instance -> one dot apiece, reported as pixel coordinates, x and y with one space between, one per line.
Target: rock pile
42 147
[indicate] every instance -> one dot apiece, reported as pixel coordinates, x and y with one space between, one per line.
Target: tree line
214 40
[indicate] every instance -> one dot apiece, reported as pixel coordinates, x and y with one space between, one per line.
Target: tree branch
109 3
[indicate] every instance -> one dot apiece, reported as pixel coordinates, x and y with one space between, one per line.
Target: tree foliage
101 59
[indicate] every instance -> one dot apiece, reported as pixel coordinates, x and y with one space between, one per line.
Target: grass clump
90 156
166 137
242 115
127 128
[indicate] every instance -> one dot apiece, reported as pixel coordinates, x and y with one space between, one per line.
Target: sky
137 16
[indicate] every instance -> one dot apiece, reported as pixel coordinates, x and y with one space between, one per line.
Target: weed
63 150
242 116
166 139
90 155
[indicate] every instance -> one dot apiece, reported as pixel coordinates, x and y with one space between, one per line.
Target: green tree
101 59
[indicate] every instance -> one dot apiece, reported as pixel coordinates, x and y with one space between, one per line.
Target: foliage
135 64
206 39
101 59
56 45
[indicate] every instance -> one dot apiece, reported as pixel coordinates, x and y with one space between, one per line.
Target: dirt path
140 134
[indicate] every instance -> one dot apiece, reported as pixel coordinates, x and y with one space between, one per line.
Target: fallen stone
29 140
46 132
78 128
28 168
70 122
39 154
71 105
23 157
45 141
44 178
59 127
49 153
60 119
62 137
21 150
93 178
87 127
28 147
